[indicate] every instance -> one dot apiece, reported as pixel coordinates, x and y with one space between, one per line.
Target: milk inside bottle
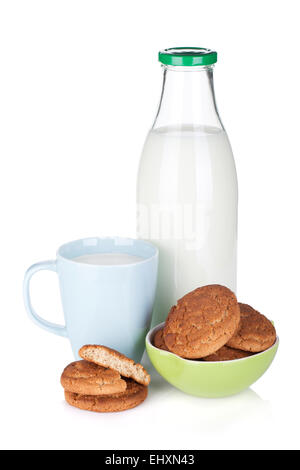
187 184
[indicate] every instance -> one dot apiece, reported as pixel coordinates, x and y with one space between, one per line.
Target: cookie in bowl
226 354
255 332
213 378
202 322
159 341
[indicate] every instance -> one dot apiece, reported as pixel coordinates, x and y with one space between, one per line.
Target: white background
79 89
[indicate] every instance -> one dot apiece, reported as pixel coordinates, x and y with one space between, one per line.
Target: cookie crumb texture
202 322
255 333
85 377
133 396
107 357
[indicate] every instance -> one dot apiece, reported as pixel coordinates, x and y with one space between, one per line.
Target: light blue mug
103 304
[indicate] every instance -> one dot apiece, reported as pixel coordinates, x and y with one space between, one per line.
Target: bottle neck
187 98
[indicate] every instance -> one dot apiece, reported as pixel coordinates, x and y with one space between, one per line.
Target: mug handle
46 325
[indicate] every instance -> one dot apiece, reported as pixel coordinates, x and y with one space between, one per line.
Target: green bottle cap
187 56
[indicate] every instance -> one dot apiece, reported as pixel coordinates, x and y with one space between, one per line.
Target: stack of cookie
104 381
210 324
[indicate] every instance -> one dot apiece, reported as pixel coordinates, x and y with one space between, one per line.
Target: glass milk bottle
187 184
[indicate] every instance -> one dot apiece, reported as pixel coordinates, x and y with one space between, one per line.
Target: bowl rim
153 330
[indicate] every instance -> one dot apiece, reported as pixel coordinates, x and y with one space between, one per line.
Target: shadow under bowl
209 379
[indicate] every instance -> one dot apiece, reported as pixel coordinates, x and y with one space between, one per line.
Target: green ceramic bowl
209 379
